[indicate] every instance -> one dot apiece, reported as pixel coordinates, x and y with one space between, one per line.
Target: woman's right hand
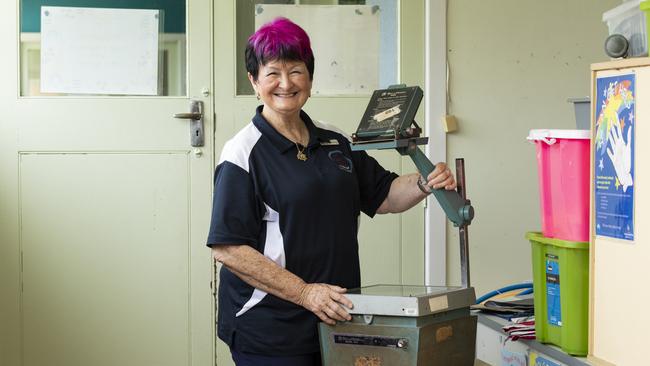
326 301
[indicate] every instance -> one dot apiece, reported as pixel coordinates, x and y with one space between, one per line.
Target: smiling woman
280 67
287 198
284 87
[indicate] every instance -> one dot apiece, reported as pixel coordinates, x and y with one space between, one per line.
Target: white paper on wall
99 50
345 41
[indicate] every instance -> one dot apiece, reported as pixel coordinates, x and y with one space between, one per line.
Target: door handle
188 115
195 116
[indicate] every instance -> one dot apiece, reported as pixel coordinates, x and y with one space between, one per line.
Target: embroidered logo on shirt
342 161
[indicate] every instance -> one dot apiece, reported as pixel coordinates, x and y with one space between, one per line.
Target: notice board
344 39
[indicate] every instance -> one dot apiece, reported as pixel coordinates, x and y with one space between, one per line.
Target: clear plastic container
645 7
628 20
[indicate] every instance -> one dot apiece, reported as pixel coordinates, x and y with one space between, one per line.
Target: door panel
106 282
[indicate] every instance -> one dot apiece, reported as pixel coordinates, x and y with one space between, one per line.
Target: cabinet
619 323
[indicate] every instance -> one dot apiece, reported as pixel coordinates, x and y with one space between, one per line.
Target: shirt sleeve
236 214
374 181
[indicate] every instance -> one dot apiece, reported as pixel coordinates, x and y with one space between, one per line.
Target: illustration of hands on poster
614 156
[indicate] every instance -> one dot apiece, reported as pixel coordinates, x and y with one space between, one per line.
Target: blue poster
614 156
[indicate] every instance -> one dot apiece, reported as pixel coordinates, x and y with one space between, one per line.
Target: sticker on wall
614 156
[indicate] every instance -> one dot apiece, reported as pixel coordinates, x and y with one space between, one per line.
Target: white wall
513 64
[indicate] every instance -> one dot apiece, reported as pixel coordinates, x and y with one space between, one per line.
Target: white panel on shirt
238 149
273 249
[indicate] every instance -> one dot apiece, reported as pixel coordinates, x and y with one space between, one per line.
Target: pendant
301 156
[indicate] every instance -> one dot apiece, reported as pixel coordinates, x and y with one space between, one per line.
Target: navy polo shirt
303 215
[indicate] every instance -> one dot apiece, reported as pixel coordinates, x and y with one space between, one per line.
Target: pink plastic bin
563 172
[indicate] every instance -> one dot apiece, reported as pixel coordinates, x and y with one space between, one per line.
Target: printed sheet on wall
345 41
614 156
99 50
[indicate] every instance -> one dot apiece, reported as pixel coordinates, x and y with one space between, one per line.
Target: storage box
563 175
561 288
628 20
582 109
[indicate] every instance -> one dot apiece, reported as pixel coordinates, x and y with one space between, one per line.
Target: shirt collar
282 143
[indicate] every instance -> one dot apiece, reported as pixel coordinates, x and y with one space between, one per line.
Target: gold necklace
301 152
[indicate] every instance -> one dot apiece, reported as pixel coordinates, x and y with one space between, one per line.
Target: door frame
435 106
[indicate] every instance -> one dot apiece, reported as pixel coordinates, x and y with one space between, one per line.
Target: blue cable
528 286
526 292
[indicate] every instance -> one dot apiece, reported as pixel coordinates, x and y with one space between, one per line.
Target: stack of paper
507 308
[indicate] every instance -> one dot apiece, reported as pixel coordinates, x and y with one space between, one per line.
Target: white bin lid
549 136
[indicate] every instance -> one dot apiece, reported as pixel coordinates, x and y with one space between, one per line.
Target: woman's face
283 86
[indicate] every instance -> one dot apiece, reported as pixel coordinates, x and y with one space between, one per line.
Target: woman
288 194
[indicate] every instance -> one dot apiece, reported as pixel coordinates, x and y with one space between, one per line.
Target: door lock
196 122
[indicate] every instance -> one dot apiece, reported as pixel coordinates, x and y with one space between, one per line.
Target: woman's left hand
326 301
407 190
441 177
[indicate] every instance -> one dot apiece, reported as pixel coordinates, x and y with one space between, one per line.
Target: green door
105 202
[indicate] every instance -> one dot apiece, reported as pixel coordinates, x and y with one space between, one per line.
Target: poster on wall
614 156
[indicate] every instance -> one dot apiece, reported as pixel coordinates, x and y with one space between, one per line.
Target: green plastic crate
561 287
